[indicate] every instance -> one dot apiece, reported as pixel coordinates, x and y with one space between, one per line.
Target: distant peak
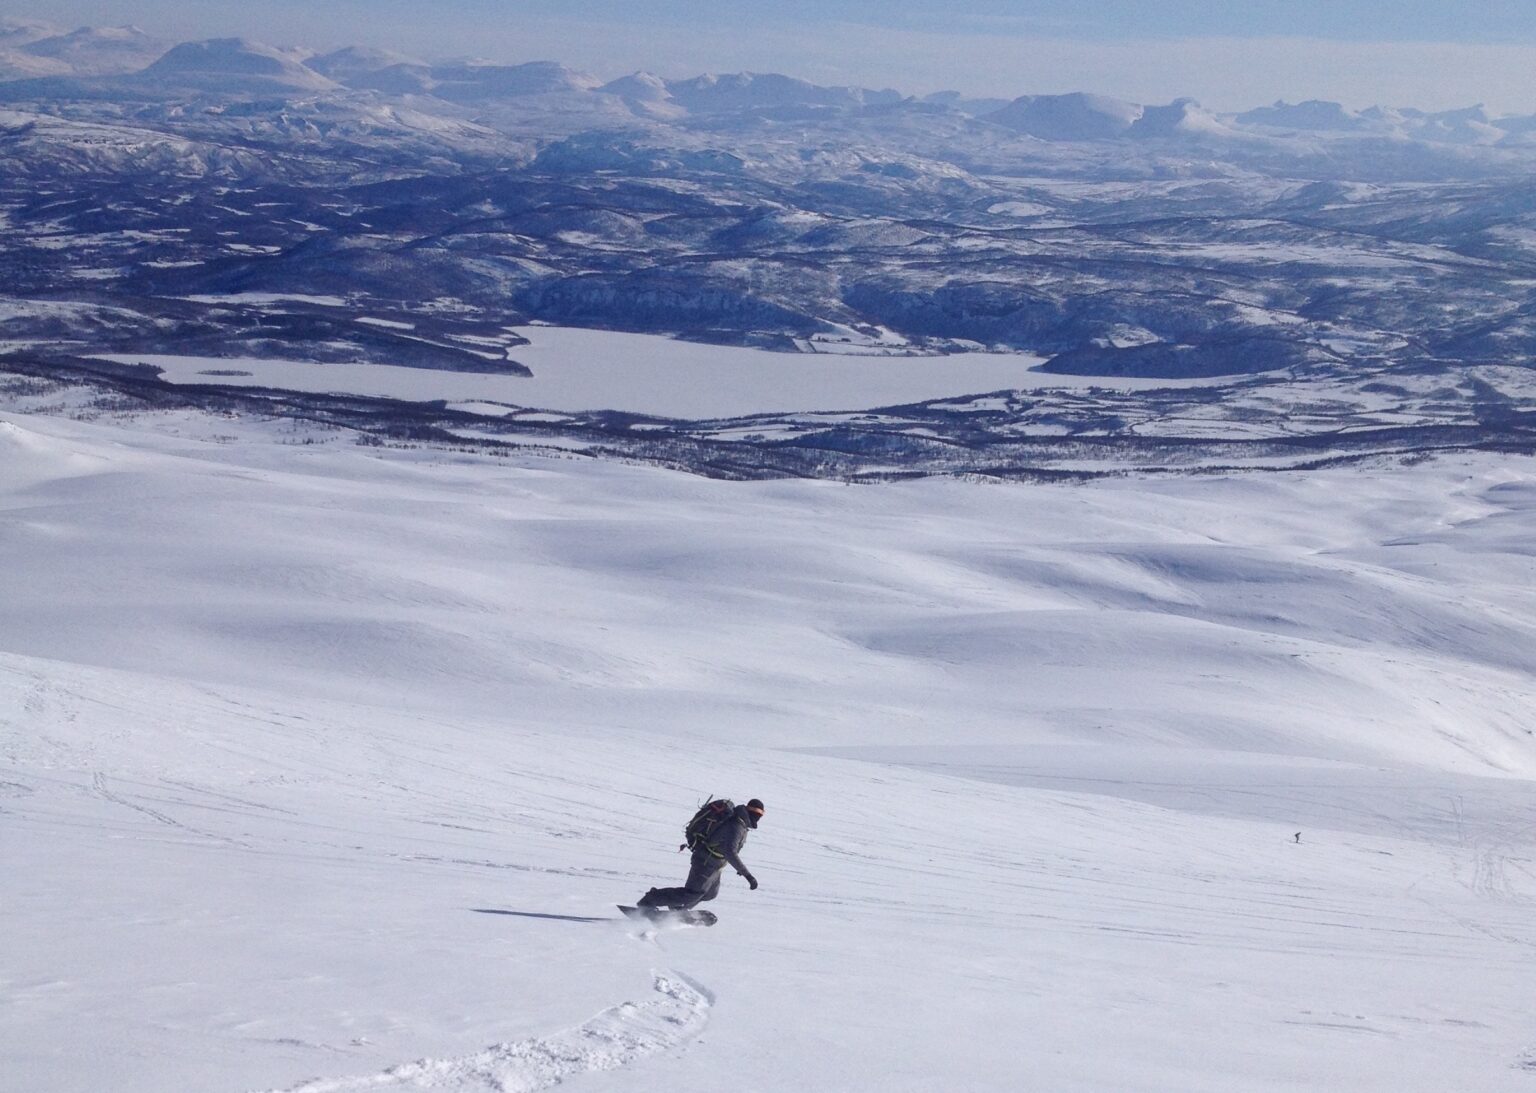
127 30
479 81
359 60
235 59
645 86
11 27
1078 115
1313 114
1183 117
724 92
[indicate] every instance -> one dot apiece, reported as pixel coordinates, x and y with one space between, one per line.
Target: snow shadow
536 914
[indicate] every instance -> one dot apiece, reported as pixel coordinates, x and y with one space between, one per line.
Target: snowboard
694 917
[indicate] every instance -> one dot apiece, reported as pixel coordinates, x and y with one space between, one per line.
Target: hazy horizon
990 49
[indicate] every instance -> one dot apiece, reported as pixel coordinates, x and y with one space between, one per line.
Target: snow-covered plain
322 767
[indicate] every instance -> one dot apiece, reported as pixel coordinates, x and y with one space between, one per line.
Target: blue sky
1229 55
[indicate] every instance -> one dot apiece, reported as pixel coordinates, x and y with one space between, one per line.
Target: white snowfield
323 767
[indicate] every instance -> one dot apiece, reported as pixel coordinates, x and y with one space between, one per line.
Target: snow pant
703 884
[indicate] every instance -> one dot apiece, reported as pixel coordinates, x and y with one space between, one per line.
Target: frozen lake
576 370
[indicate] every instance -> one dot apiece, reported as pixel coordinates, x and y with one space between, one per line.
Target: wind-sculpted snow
323 765
616 1038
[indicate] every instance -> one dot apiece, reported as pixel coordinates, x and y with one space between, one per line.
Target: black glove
751 881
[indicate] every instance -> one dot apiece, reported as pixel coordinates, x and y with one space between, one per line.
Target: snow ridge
614 1038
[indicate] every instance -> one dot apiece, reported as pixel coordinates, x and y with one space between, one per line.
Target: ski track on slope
100 787
614 1038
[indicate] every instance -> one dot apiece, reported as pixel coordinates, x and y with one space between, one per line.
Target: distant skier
715 835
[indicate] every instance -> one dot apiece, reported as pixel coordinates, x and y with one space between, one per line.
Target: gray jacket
725 842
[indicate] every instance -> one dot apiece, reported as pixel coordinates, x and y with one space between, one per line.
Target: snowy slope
319 761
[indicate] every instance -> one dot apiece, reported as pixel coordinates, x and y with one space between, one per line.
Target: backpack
705 821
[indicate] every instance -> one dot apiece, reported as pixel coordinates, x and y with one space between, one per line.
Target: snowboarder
715 845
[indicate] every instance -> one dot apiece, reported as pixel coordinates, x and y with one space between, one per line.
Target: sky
1434 55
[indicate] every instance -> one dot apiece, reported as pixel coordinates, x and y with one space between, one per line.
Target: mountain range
95 55
201 197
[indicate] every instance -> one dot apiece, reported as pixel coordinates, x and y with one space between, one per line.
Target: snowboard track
674 1015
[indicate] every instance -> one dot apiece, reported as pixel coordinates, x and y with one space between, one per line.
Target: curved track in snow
618 1036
